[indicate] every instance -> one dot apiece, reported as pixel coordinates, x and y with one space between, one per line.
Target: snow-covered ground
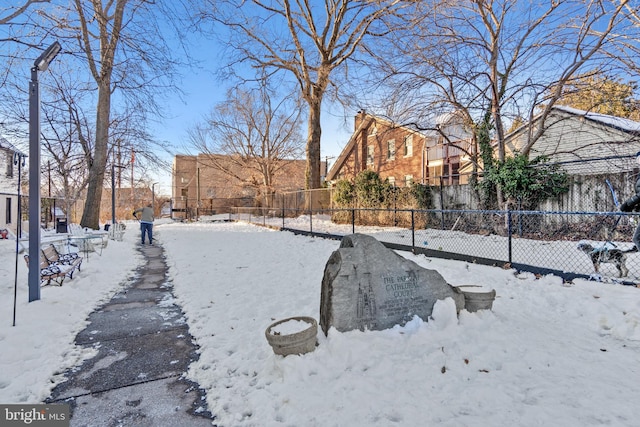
547 354
559 255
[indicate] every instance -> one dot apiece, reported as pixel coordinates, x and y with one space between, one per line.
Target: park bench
53 257
55 267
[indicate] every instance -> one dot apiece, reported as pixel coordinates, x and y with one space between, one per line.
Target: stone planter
477 297
295 335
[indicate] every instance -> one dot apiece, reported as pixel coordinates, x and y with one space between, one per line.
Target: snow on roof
623 124
8 146
446 118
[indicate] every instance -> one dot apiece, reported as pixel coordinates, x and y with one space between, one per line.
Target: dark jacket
632 203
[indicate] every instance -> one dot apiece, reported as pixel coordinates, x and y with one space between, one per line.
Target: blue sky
202 92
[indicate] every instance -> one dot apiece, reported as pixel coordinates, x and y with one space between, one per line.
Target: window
9 165
392 180
408 146
8 214
391 149
369 154
408 180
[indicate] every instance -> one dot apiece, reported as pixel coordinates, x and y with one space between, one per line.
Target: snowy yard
548 353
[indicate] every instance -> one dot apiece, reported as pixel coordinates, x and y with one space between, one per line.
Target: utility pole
133 160
113 191
153 197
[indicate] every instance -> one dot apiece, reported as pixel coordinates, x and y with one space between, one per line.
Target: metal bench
55 267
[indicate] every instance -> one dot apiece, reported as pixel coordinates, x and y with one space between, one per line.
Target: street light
40 64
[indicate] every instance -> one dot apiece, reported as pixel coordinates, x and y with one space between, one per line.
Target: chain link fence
577 234
535 241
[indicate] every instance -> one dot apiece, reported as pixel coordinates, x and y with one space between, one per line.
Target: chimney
359 118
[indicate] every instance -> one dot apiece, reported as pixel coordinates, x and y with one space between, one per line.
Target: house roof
625 125
347 149
613 122
4 144
364 123
618 124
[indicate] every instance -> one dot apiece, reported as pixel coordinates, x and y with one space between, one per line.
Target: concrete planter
295 335
477 297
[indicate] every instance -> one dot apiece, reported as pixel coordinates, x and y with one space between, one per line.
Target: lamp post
153 197
40 64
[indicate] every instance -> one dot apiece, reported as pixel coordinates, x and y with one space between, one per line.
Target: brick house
8 185
404 155
200 188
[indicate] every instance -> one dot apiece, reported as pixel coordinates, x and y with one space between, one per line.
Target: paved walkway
144 347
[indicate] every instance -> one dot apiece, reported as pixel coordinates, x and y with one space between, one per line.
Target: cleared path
144 348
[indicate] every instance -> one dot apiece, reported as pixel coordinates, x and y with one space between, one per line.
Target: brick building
404 155
198 187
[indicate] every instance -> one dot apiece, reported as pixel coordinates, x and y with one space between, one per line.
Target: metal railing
535 241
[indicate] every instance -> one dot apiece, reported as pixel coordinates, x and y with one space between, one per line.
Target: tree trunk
91 213
313 144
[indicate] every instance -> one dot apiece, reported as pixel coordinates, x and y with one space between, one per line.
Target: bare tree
9 13
626 46
121 46
494 61
68 132
251 131
307 40
483 56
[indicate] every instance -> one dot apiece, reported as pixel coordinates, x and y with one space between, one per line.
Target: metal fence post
413 232
509 234
353 220
442 203
311 211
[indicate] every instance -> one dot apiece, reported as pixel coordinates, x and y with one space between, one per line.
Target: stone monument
368 286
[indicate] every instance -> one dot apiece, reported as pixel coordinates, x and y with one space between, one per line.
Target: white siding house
575 136
8 186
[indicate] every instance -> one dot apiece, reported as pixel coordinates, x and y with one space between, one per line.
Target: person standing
633 204
146 222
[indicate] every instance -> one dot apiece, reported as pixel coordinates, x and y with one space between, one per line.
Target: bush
369 189
422 196
344 194
528 181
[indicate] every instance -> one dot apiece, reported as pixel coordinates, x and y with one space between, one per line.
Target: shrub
343 195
